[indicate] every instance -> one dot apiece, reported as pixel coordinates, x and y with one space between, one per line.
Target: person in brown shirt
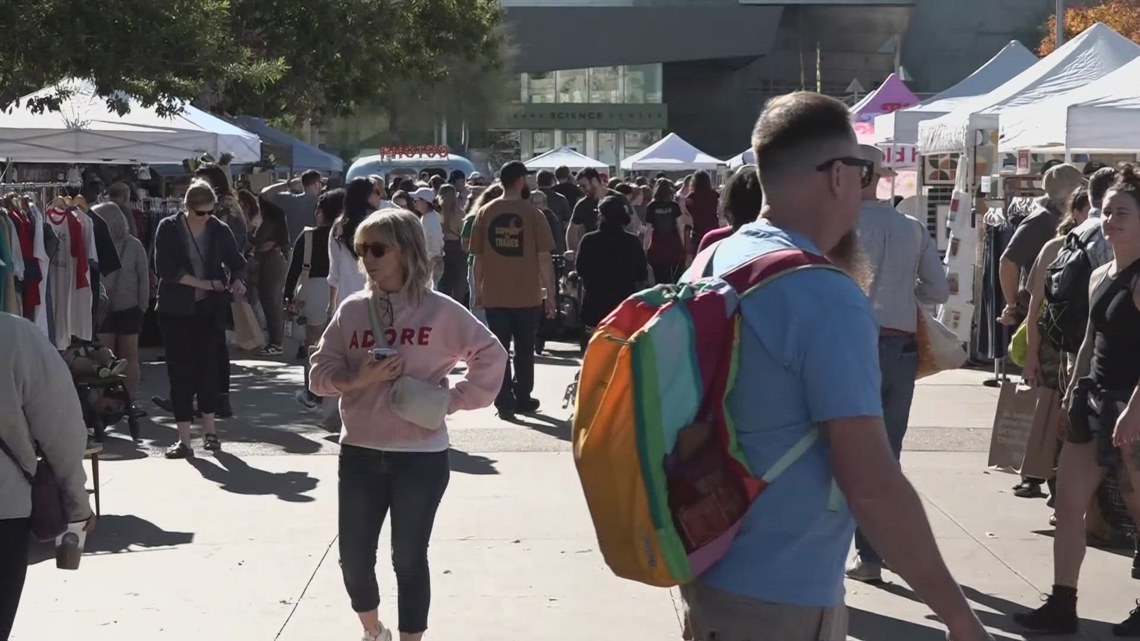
514 281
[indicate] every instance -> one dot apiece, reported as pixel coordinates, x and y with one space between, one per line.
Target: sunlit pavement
241 545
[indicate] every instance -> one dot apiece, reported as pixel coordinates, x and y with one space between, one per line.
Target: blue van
387 165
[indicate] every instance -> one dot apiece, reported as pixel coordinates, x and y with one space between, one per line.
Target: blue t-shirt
810 355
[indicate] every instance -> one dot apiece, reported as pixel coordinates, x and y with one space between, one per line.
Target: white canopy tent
1093 54
902 126
671 153
84 130
746 157
1100 117
564 157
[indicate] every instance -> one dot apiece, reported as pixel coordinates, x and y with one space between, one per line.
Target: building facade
610 77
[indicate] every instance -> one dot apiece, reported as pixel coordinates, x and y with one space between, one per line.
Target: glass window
575 140
503 146
643 84
572 86
541 141
540 87
607 147
638 139
518 86
605 85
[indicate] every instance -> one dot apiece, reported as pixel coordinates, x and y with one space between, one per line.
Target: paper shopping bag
938 346
1041 446
1013 423
247 331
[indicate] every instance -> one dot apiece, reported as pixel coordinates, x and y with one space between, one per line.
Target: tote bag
938 346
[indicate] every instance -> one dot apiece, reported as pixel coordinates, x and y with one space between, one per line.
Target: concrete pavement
242 545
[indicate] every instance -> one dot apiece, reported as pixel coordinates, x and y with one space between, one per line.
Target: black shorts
1092 419
123 322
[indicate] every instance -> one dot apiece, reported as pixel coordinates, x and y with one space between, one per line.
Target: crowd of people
396 283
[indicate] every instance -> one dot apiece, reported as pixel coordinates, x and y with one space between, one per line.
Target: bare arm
1084 355
890 513
1036 298
277 188
546 270
574 236
1009 274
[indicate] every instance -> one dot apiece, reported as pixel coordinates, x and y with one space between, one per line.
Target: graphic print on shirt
505 235
393 336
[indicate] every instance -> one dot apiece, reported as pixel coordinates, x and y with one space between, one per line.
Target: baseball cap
512 171
426 194
875 155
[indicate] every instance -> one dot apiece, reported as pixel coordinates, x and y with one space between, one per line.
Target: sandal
210 442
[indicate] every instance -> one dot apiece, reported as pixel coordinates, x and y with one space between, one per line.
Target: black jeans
192 360
454 281
14 538
410 485
520 326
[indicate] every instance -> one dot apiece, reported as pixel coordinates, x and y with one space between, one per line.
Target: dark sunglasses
866 167
200 212
376 249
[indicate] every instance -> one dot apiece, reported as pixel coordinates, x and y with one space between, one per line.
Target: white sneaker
865 572
384 635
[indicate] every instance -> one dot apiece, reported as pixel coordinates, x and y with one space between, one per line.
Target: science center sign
585 116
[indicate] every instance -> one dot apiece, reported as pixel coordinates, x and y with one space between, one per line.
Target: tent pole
1059 35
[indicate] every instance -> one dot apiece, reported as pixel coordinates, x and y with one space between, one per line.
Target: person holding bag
200 270
44 414
387 353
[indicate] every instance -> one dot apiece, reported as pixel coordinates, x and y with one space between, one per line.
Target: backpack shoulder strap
751 274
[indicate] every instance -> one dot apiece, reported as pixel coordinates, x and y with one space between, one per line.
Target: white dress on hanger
82 321
61 273
39 250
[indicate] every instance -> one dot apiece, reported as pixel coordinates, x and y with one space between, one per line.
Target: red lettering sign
406 336
409 151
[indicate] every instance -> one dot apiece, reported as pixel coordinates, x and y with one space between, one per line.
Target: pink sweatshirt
431 337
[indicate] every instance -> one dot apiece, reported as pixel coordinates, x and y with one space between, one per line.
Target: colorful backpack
666 483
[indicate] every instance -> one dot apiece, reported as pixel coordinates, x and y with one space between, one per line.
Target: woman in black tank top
1104 415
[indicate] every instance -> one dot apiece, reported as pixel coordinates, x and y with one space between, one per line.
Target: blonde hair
404 231
200 196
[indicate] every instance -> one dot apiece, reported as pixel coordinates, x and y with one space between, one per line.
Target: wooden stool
93 451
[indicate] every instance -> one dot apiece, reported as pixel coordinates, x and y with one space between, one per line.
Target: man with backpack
808 361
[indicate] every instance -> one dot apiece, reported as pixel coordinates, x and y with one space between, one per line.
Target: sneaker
858 570
1057 616
1129 627
272 350
138 410
179 450
302 398
528 406
383 635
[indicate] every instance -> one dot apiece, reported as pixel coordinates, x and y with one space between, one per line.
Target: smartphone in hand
381 353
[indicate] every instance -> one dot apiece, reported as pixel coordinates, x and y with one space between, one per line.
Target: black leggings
667 273
13 569
410 485
192 360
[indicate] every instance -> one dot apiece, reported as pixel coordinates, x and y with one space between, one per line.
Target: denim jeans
410 486
898 364
521 327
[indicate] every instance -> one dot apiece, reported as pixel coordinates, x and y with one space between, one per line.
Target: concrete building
608 77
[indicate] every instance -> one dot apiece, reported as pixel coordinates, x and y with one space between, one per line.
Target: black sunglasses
867 168
376 249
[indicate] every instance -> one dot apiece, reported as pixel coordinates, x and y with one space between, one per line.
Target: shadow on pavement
556 427
565 361
118 533
465 463
1124 548
236 476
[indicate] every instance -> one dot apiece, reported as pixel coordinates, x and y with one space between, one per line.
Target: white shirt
433 231
344 272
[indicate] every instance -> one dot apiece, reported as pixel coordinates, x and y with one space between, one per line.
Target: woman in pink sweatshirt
397 327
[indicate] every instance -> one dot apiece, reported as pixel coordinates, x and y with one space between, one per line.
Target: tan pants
716 615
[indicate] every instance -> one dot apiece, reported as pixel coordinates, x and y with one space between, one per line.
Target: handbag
938 346
415 401
49 504
306 269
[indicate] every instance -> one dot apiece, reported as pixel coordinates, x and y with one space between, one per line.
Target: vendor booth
1099 117
671 153
85 130
902 126
890 97
564 157
290 153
